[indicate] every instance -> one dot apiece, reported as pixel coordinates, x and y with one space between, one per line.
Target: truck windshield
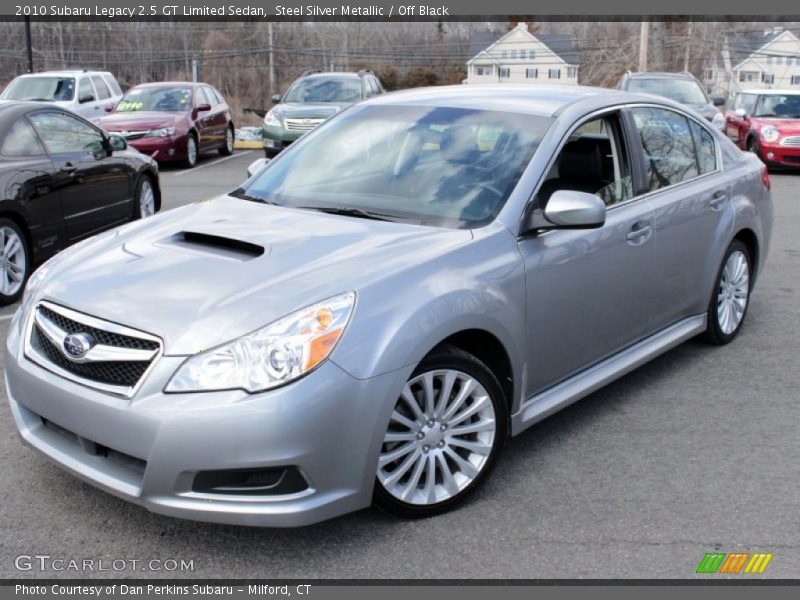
679 90
448 167
44 88
320 89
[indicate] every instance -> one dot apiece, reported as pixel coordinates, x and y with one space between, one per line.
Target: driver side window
594 161
63 134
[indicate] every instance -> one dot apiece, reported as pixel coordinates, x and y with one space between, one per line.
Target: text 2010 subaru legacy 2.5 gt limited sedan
372 313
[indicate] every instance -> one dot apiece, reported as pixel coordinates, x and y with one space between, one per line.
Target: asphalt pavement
698 451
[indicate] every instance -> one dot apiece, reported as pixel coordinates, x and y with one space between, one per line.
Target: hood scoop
223 247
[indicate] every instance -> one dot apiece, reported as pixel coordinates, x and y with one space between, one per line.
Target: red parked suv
173 121
767 122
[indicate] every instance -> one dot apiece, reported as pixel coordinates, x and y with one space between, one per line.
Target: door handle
718 199
639 232
69 168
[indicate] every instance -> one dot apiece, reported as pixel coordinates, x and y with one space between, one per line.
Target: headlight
270 120
718 121
161 132
770 133
271 356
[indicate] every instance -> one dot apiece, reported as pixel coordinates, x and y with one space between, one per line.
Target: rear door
692 206
96 184
588 291
87 106
103 98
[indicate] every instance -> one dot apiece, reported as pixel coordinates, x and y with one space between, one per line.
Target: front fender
400 319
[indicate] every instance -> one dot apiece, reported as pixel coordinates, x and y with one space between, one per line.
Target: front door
588 291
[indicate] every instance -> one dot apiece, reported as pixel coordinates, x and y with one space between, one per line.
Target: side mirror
86 98
117 142
718 101
741 113
567 209
276 98
256 166
205 107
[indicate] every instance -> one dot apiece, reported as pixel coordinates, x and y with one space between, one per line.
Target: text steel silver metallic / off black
370 327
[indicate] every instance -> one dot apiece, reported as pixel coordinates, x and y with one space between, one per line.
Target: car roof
660 75
772 92
175 84
66 72
545 100
332 75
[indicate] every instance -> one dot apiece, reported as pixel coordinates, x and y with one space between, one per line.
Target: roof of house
744 46
561 44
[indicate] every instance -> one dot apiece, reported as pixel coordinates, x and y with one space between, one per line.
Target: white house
766 60
522 57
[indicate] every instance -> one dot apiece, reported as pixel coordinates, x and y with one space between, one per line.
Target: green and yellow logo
734 563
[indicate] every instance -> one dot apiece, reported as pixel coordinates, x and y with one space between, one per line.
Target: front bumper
161 148
778 155
327 425
277 139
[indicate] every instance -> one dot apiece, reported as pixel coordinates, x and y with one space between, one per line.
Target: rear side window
103 93
668 146
22 141
85 89
706 154
112 85
206 95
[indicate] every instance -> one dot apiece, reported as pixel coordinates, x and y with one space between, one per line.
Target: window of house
572 72
505 72
554 73
531 73
709 74
486 70
778 60
504 54
748 76
769 60
670 156
795 80
531 54
594 161
768 78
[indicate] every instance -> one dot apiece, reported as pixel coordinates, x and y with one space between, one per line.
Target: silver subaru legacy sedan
370 315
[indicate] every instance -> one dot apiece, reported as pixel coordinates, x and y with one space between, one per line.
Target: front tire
15 262
754 147
444 436
227 146
731 297
191 151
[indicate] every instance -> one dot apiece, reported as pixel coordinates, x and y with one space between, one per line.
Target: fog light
170 151
770 155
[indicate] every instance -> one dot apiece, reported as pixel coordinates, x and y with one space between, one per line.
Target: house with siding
522 57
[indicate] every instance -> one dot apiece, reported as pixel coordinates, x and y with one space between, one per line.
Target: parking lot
695 452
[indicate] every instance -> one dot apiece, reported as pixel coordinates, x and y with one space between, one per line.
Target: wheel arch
748 237
8 213
153 176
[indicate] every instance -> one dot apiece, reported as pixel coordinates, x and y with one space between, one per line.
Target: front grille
792 141
117 357
302 125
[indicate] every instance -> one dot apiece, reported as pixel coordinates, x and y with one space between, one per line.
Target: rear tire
227 146
731 296
15 262
145 202
439 449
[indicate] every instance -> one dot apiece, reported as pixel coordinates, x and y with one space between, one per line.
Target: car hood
196 292
138 121
706 110
786 126
303 110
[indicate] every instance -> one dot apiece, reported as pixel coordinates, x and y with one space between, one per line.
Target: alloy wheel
12 261
229 140
191 151
147 199
439 439
734 289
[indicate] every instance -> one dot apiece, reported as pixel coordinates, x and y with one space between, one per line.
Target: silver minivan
87 93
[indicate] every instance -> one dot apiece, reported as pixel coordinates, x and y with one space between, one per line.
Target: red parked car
173 121
767 122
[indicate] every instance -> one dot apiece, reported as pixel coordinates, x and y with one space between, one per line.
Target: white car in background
86 93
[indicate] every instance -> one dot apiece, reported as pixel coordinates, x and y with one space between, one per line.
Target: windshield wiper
240 194
349 211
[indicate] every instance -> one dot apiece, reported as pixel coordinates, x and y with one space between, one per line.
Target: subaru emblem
78 344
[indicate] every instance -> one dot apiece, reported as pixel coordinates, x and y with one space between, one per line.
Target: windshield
51 89
320 89
447 167
782 106
679 90
156 99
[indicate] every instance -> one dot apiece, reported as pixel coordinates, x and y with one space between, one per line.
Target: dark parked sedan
173 121
61 180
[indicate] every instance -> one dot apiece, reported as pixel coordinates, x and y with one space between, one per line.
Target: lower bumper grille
88 350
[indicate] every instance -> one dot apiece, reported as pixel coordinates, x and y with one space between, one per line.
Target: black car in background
61 180
680 87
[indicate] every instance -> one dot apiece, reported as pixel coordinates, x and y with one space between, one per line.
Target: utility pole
271 62
688 47
28 44
643 46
